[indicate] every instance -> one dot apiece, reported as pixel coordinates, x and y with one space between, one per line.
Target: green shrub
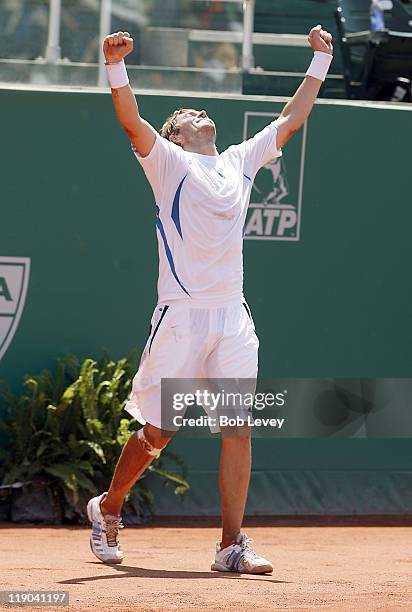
67 431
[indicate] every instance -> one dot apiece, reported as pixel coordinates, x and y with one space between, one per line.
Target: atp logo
14 281
276 200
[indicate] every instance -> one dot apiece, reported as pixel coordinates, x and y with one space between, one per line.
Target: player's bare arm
298 109
142 135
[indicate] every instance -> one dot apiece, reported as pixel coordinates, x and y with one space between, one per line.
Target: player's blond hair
170 126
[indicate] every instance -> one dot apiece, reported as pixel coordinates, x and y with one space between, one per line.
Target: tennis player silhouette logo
271 216
279 182
14 282
275 207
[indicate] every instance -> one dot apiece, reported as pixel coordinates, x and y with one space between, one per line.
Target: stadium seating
373 61
283 16
284 65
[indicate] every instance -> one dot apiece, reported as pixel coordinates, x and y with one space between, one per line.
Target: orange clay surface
168 568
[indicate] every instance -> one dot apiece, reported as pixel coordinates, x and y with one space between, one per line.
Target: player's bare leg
234 476
133 461
104 510
233 553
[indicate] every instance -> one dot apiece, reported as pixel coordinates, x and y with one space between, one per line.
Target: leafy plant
67 431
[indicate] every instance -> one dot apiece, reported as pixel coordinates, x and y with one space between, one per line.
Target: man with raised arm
201 326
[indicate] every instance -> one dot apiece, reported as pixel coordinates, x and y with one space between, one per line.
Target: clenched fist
320 40
117 46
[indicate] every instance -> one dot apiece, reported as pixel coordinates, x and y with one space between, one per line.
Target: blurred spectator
204 14
218 15
79 30
173 14
25 27
80 35
24 31
216 60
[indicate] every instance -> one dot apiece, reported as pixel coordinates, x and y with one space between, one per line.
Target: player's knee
153 440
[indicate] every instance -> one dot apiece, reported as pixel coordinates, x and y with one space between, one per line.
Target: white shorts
187 341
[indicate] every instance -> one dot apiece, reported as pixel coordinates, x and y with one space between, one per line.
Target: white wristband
117 75
319 65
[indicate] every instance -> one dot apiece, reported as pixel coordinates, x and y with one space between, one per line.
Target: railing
183 45
59 42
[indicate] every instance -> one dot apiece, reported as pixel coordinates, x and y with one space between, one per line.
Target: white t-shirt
201 203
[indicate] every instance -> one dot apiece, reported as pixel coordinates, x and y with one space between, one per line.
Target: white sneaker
103 540
240 558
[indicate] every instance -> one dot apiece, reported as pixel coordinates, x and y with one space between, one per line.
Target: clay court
149 144
167 568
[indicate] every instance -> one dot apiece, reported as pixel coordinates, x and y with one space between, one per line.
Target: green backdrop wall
331 300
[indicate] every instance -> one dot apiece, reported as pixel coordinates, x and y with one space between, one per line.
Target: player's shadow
127 571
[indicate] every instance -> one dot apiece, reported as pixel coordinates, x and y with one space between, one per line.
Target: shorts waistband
202 305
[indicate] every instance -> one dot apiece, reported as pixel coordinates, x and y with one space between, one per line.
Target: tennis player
201 326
